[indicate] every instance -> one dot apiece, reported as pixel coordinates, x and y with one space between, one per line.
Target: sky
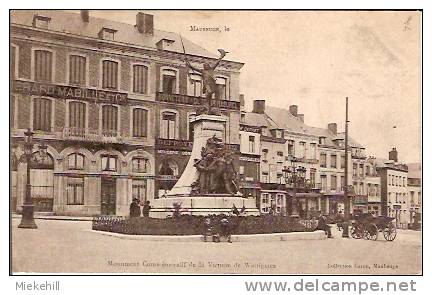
315 59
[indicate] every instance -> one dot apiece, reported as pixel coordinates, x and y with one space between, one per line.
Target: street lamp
295 176
27 219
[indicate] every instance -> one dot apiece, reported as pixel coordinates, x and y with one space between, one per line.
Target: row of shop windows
78 68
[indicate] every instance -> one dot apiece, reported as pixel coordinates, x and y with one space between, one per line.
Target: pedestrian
146 209
322 225
134 208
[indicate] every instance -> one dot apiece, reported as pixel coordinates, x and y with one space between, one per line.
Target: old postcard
216 142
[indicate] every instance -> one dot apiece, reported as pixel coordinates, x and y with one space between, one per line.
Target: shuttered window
333 182
12 61
140 79
109 74
109 120
77 117
168 128
77 70
42 109
43 66
169 81
140 123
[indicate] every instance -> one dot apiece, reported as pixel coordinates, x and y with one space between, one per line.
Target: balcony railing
82 134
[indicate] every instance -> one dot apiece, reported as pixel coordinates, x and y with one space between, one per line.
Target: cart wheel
357 231
371 232
389 232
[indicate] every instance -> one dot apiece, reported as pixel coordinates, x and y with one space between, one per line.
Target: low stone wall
281 237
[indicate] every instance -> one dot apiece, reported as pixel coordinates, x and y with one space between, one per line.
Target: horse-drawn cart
367 226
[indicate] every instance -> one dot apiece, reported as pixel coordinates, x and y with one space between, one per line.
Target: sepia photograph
215 142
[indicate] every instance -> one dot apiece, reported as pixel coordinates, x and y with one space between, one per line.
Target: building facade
415 194
113 102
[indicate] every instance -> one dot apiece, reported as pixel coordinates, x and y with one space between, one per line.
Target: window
323 160
291 149
221 88
242 118
389 197
12 62
313 150
140 74
302 153
43 65
139 165
168 127
109 74
77 118
279 177
265 203
333 182
265 177
333 161
41 22
109 163
322 140
107 34
139 126
76 161
77 70
354 169
251 144
169 81
264 154
42 108
279 202
191 118
324 182
368 170
342 164
139 190
361 170
109 120
75 191
342 184
196 87
312 177
403 181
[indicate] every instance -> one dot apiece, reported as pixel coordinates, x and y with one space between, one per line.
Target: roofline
117 43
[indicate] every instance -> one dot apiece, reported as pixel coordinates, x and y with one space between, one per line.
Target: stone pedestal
205 127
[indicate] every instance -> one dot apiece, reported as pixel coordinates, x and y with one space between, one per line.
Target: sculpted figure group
217 174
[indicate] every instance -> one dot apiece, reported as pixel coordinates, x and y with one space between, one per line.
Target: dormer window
107 34
164 44
41 22
322 140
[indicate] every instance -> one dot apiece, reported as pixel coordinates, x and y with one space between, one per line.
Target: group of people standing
135 208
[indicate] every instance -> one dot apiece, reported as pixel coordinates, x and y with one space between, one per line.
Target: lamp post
295 176
27 218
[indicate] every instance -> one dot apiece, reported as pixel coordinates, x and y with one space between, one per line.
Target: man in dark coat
146 209
134 209
322 225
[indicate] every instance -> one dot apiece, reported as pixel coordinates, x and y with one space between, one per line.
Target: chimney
293 109
144 23
332 127
393 155
301 117
85 16
258 106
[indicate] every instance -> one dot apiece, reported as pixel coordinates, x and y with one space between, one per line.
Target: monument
208 184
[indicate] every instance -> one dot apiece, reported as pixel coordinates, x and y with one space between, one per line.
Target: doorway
108 196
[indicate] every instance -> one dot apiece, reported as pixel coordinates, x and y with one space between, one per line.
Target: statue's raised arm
222 55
